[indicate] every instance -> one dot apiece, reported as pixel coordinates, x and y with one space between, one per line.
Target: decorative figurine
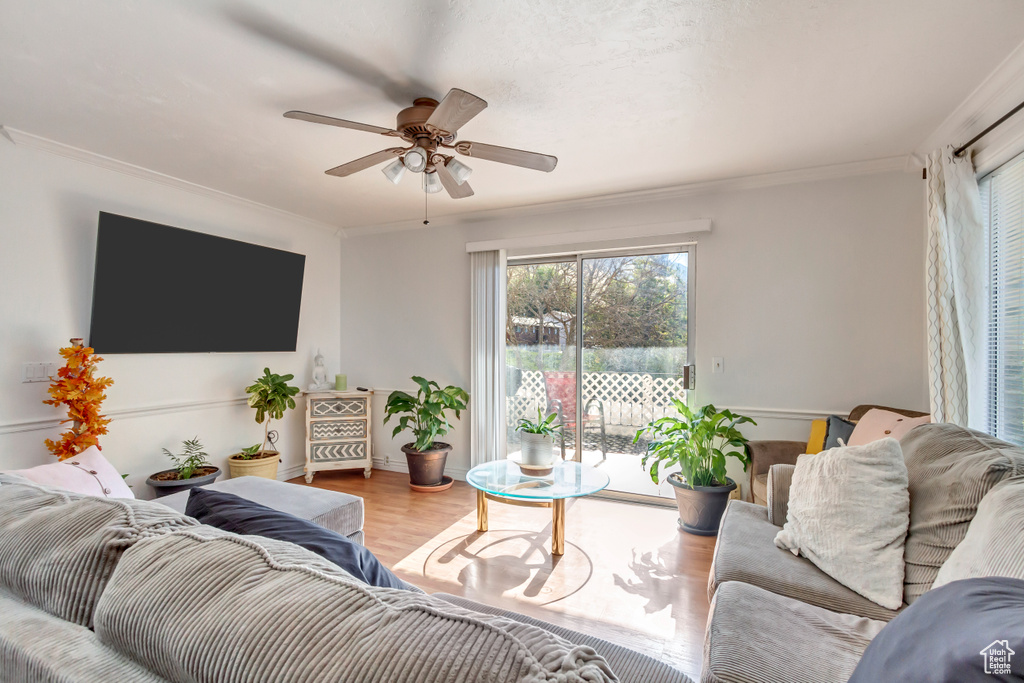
320 381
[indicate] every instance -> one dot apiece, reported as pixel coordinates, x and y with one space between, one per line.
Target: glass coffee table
504 482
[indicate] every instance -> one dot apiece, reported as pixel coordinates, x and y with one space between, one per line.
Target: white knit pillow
849 510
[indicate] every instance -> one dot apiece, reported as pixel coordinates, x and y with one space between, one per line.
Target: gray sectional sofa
776 617
99 589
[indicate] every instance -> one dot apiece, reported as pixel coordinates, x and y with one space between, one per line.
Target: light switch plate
37 372
717 364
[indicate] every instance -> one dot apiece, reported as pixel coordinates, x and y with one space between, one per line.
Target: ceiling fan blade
451 185
364 162
280 32
455 110
340 123
507 155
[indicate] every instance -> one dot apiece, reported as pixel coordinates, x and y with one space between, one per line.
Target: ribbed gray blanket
204 605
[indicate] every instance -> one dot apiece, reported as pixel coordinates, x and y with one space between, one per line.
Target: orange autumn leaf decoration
82 392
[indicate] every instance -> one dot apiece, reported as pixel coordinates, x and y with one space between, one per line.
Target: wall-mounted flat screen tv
159 289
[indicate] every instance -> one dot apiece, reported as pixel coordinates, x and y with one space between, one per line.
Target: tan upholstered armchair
764 454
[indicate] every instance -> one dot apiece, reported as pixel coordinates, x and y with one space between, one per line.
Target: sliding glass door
631 314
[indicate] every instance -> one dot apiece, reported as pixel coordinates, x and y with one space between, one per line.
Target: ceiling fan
430 126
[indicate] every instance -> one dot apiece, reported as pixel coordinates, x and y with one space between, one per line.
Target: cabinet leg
558 526
367 472
309 477
481 511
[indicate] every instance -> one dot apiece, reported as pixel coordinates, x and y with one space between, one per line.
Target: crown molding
803 175
1001 90
37 142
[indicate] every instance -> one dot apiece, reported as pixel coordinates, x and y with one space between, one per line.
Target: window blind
1002 195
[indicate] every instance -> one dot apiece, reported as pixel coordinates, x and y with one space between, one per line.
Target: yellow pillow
816 444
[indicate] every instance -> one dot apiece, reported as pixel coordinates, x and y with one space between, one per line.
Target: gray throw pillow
994 544
950 470
837 428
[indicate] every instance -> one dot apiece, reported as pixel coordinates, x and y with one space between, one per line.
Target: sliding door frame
691 269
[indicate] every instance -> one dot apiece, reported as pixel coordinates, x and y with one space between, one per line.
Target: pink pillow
87 473
878 424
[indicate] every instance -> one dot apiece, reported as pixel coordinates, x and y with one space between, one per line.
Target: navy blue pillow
238 515
965 631
837 428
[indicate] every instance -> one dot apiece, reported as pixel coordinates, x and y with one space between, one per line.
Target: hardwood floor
628 574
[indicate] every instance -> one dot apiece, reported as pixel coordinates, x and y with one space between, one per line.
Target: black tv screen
159 289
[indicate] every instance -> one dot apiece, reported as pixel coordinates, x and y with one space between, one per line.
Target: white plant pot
538 449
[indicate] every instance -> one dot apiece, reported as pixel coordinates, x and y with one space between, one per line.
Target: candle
340 382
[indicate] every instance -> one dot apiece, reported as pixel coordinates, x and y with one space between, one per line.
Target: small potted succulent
699 441
537 438
426 416
191 468
271 396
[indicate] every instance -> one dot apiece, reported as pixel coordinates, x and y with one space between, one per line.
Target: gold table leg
481 510
557 526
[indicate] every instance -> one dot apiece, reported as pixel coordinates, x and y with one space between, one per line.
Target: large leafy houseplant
425 414
699 442
271 396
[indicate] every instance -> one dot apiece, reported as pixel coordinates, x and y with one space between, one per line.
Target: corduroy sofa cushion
755 636
58 549
950 469
37 647
292 616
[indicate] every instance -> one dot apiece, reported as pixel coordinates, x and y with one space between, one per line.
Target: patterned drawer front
332 430
333 452
338 407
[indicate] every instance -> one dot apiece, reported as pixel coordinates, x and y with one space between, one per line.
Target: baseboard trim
45 424
286 473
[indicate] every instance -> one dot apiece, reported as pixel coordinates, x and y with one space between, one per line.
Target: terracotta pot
426 468
265 467
538 449
165 487
701 507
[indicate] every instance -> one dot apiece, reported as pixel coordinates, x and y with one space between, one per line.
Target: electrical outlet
717 364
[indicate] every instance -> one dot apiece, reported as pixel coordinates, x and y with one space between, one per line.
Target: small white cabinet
338 431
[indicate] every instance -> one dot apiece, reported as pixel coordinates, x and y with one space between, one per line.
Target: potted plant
426 416
191 468
537 439
271 396
699 441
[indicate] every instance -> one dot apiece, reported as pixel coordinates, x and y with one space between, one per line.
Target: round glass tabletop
567 479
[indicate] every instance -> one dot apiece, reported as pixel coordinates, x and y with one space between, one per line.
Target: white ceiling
629 94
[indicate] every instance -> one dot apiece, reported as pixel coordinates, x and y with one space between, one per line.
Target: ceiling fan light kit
431 183
395 170
416 160
459 170
427 126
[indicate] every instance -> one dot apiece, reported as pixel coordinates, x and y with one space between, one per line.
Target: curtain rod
959 151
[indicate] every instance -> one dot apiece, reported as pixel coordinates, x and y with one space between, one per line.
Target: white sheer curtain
487 349
956 303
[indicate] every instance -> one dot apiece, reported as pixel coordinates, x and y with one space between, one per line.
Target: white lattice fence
630 399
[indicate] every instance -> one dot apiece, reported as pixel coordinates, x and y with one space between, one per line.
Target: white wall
813 293
48 215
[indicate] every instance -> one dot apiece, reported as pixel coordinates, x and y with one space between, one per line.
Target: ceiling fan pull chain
425 195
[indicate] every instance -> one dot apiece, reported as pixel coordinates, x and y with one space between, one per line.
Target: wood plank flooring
628 574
